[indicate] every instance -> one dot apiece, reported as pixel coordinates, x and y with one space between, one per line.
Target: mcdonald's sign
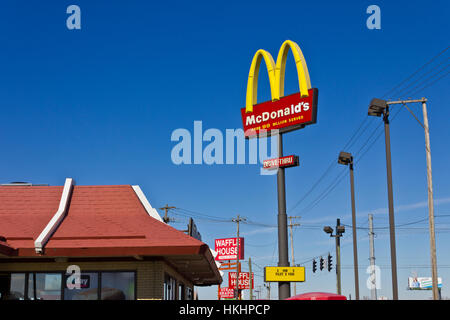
284 113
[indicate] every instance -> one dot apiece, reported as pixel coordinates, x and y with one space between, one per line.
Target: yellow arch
252 84
276 73
304 82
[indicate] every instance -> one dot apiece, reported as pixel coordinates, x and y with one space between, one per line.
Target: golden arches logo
276 73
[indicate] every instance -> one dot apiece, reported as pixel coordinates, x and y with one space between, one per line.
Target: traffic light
330 262
314 266
322 263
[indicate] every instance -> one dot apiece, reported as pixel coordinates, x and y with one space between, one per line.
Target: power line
352 140
415 72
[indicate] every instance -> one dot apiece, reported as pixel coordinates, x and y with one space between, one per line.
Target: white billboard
422 283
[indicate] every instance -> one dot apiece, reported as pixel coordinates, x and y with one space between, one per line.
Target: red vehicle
317 296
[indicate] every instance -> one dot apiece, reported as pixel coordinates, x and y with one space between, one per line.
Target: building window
17 287
169 288
94 285
88 288
117 285
48 286
31 289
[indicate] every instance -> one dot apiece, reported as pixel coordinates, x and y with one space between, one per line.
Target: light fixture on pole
380 108
346 158
375 107
340 230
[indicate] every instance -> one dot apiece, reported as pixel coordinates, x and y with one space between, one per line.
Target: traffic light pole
338 258
284 288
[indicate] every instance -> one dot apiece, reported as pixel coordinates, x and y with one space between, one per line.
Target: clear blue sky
99 105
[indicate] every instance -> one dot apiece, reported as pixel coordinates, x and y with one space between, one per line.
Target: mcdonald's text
286 114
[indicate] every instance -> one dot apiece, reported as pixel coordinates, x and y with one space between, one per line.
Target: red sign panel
244 280
289 113
226 293
227 248
283 162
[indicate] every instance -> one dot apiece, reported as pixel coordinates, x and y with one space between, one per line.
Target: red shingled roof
25 211
101 221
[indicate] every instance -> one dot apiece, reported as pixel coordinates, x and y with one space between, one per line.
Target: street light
346 159
378 107
339 231
328 229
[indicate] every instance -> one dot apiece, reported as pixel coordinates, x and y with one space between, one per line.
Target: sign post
276 117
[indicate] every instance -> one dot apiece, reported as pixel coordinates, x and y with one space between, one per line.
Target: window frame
64 279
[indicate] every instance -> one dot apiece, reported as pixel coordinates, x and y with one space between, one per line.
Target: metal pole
373 289
434 273
292 250
284 288
338 258
250 276
391 205
236 291
291 225
355 248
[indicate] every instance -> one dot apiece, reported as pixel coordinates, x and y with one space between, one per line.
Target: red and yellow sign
283 113
283 162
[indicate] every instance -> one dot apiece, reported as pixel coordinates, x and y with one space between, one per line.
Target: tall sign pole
284 288
275 117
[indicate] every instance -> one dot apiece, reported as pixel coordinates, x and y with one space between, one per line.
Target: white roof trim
150 210
215 253
56 220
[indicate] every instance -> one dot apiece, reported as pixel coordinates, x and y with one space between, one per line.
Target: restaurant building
97 243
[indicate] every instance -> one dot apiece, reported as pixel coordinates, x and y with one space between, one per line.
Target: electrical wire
352 140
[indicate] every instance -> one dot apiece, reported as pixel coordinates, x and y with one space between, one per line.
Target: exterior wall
149 274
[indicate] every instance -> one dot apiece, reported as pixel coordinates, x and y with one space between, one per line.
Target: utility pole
434 274
237 220
284 288
425 126
166 219
250 277
373 289
291 225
